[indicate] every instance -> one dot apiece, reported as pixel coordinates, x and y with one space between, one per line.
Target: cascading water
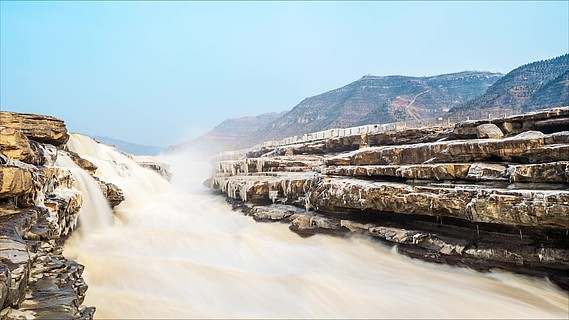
95 212
137 183
184 253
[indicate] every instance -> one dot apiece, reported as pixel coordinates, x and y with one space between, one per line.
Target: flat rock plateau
481 194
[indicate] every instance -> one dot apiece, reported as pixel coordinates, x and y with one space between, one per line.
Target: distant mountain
231 134
371 99
132 148
374 99
533 86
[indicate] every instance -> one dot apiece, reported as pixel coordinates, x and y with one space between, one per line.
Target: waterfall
95 213
182 252
137 183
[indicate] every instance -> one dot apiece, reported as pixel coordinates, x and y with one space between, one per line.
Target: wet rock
274 212
84 164
113 193
161 168
38 208
274 164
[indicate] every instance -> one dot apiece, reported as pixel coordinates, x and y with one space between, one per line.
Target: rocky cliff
483 194
39 208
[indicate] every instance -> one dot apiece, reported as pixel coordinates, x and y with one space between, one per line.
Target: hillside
229 135
374 99
516 89
555 93
371 99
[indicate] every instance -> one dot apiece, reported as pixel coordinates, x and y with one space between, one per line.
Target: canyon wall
483 194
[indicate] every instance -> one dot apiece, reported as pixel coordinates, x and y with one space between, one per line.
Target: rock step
551 172
277 164
553 120
475 203
469 202
525 148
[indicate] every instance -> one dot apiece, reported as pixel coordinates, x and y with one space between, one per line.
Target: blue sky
159 73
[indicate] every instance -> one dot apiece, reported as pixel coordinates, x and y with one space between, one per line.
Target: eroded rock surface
485 194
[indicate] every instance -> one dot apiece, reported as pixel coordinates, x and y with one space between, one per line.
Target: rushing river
177 251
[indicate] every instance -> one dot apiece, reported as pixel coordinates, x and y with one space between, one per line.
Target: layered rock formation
482 194
39 208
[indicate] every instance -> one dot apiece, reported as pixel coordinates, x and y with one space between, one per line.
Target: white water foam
185 254
95 213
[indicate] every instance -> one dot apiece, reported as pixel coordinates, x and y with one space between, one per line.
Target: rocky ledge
39 208
482 194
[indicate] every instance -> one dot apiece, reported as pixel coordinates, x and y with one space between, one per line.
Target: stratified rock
481 203
487 171
15 181
489 131
527 147
303 163
538 209
14 253
435 171
546 121
553 172
40 128
14 144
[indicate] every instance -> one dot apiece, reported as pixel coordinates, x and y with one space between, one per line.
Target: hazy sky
158 73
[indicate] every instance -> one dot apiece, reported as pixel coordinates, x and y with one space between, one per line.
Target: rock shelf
484 194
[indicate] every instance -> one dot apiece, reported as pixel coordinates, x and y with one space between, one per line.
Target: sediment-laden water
179 251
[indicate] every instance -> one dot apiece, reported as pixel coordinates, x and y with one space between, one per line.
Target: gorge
154 249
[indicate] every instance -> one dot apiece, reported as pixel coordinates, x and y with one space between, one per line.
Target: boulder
489 131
